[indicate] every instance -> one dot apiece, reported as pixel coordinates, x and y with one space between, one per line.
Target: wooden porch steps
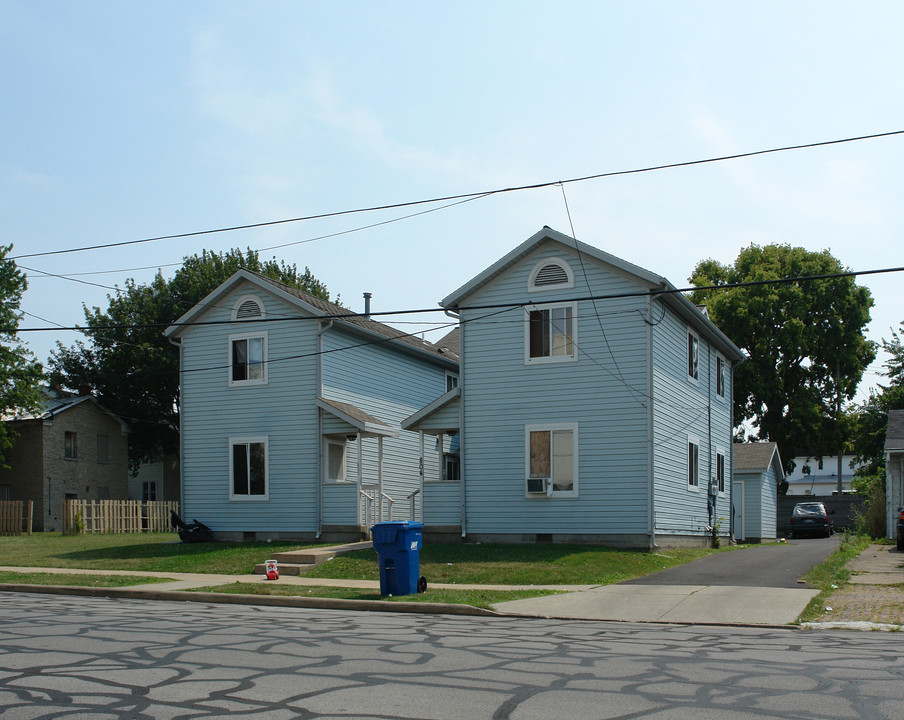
298 562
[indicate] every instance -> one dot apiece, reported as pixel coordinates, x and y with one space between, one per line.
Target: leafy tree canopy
797 335
128 363
20 374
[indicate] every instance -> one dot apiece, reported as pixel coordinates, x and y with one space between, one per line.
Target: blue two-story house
290 413
594 405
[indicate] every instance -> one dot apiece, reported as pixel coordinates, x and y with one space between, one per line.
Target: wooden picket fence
117 516
16 516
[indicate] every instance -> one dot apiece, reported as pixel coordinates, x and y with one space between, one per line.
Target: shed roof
894 435
755 457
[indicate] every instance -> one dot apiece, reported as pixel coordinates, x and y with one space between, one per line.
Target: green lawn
77 579
160 552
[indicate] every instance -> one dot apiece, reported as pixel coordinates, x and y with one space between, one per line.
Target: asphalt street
766 566
72 657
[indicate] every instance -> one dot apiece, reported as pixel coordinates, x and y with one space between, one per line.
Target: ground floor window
693 464
149 490
551 456
720 472
248 469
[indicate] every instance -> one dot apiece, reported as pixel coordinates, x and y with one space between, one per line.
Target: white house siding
442 503
682 409
390 385
602 394
768 501
283 410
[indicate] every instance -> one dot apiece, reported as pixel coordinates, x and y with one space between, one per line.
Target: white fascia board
410 422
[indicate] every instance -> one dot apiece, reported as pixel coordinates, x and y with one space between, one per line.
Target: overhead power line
462 196
493 306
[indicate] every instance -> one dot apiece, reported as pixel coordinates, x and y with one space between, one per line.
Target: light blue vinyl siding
391 386
683 409
603 392
282 410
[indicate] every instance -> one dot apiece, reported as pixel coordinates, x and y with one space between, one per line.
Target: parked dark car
901 529
811 518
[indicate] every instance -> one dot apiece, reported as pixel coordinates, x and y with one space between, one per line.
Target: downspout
320 459
731 504
178 344
651 485
462 443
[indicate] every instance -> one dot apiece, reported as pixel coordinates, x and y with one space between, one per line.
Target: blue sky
123 121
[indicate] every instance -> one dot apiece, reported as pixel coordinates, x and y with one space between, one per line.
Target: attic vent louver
552 274
248 310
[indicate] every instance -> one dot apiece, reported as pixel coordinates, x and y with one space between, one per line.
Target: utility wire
462 196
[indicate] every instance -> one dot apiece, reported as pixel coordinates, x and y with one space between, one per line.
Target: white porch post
360 444
421 477
441 441
380 474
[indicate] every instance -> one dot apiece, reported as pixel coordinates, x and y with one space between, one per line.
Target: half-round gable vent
552 274
248 310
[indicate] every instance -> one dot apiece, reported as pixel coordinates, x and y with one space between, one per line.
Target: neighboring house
290 409
603 420
757 472
72 449
894 468
156 481
819 476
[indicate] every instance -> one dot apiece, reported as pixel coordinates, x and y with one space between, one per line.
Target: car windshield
809 509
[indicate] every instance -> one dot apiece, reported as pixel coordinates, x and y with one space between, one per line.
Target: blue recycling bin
398 546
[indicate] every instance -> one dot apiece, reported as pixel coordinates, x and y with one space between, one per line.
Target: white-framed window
693 356
721 376
551 455
248 307
720 472
335 461
550 274
693 463
451 467
550 333
248 359
70 445
149 490
248 468
451 381
103 449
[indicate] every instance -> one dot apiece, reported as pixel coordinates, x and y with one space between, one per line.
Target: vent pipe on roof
367 297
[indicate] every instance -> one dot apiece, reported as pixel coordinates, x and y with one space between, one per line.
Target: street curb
266 600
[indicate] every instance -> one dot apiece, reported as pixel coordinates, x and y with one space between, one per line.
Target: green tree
804 340
20 374
128 363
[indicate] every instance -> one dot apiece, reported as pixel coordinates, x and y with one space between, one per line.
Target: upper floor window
550 274
551 331
248 359
248 307
70 445
720 376
103 451
451 381
693 356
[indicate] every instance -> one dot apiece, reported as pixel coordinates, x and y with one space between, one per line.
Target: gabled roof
357 418
894 435
56 402
310 306
450 344
412 422
644 279
757 457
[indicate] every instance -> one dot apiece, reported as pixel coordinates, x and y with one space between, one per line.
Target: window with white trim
720 472
550 333
149 490
335 461
551 455
720 376
451 381
248 359
248 468
693 464
550 274
693 356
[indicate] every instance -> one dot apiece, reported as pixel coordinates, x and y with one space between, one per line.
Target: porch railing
373 510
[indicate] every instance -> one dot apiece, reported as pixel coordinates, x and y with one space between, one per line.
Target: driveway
752 586
772 566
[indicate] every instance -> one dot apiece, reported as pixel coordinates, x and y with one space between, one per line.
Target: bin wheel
422 584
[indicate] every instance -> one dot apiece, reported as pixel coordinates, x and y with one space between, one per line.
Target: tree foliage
128 363
20 374
796 334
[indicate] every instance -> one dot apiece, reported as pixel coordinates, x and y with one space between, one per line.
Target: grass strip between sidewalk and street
477 598
77 579
831 575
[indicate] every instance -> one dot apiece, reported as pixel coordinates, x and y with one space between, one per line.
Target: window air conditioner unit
536 485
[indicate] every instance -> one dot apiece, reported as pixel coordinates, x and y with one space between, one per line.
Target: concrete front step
298 562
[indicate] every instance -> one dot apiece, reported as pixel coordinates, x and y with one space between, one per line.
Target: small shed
894 468
757 470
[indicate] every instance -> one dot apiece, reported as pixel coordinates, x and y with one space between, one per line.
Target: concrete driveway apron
752 586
